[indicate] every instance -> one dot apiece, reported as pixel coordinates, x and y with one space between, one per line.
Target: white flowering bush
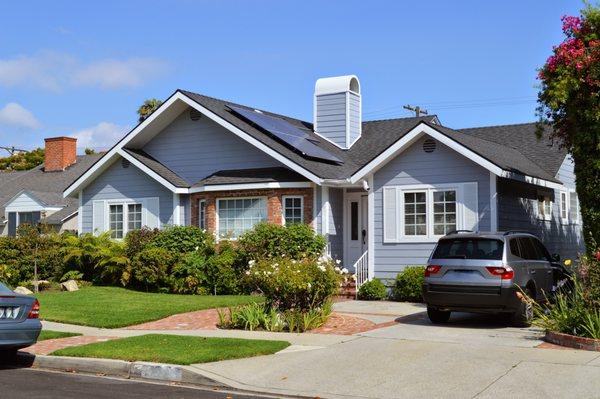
289 284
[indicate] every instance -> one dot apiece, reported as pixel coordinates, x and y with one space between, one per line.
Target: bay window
238 215
423 213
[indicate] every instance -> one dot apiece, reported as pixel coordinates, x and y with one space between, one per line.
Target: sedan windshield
469 248
4 289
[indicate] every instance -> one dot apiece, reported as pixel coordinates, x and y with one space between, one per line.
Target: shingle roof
45 186
259 175
158 167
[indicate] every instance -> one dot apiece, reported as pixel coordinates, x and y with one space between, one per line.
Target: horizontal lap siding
24 203
196 149
331 117
355 117
122 183
336 223
414 166
516 211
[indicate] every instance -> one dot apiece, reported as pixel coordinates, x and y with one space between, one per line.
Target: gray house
382 192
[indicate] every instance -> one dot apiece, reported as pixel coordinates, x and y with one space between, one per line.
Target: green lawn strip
175 349
49 334
113 307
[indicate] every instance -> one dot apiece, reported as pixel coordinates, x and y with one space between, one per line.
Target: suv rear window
469 248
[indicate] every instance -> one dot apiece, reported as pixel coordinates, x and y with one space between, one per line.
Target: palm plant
148 107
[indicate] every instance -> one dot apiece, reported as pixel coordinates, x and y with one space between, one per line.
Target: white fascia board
256 143
405 141
249 186
69 216
533 180
153 174
84 178
493 203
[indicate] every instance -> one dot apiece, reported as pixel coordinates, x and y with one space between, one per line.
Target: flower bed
571 341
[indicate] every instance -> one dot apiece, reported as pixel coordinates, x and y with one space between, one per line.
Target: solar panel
286 132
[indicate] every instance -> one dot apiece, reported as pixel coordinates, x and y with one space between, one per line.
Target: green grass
175 349
112 307
49 334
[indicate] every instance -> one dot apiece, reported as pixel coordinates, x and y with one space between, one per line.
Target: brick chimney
61 152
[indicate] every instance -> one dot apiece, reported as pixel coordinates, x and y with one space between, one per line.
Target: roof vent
195 114
429 145
125 163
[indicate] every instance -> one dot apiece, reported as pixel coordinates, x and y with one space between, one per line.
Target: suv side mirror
555 258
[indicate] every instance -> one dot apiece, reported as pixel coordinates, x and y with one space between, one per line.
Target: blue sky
82 68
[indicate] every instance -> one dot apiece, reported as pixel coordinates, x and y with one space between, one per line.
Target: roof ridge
501 125
397 119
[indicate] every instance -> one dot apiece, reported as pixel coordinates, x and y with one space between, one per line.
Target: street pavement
36 384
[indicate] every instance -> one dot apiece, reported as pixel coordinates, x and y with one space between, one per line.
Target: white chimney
338 109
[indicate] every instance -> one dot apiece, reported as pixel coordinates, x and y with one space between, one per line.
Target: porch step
347 290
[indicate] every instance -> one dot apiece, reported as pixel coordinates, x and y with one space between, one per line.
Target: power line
417 110
12 150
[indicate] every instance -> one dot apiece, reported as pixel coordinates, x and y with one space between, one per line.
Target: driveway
472 356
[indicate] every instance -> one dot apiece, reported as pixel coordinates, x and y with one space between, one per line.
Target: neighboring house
382 192
35 196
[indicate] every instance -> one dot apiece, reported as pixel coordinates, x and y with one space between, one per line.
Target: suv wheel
524 314
438 316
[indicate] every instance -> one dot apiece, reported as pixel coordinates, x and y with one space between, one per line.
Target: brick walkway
342 324
50 345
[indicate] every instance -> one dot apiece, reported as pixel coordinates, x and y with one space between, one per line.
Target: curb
572 341
120 368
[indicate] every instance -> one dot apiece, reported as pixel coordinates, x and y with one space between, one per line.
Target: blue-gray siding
118 182
331 117
336 223
414 166
516 211
196 149
354 118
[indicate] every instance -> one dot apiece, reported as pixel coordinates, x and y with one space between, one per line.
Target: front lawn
48 334
113 307
175 349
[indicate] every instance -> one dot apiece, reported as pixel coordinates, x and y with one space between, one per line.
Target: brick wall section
61 152
274 203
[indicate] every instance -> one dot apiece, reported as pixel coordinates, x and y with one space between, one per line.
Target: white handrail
361 270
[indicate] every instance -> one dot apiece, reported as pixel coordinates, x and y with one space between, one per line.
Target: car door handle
533 272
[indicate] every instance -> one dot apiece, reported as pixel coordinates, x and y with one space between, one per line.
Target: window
514 247
573 207
134 217
528 249
293 210
469 248
424 213
115 213
354 221
237 215
564 207
415 213
202 214
444 212
544 206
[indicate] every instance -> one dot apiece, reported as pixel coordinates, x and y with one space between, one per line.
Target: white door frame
361 198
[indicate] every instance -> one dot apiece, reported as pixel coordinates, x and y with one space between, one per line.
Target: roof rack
459 231
509 232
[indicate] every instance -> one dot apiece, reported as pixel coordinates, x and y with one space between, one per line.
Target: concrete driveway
471 357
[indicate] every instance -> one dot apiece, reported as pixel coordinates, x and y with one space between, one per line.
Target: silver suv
485 272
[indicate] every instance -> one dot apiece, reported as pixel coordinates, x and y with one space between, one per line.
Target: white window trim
124 202
429 189
543 217
578 219
283 198
564 201
201 201
217 207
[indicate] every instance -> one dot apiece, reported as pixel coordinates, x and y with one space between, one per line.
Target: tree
569 100
148 107
90 151
23 160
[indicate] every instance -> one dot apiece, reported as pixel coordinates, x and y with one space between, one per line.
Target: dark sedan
19 321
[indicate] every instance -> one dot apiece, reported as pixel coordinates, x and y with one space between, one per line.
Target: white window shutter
390 214
98 217
151 213
469 207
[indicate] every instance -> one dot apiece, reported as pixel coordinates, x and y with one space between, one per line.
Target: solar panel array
287 133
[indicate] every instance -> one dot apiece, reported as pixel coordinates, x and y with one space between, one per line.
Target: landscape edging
572 341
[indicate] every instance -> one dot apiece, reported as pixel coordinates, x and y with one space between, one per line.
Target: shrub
373 290
289 284
184 239
409 284
188 276
151 268
71 275
269 241
222 271
137 240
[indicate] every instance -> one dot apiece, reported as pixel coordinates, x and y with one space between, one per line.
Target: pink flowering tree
569 101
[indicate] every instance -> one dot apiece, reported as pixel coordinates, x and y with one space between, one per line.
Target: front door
356 227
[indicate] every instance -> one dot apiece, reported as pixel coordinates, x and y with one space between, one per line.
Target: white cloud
101 136
56 71
15 115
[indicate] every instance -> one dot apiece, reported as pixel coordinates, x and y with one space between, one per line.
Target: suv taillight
432 269
505 273
34 313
